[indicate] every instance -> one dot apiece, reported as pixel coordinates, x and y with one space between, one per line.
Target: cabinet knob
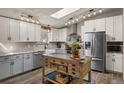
9 38
113 60
27 38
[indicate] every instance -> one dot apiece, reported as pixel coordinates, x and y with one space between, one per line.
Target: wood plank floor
35 77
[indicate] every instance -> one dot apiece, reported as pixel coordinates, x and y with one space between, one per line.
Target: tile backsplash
17 47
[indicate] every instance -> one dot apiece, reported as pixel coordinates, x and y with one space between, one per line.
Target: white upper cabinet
118 28
114 28
99 25
109 28
37 33
89 26
82 32
64 34
95 25
31 32
14 30
4 29
50 36
58 35
23 31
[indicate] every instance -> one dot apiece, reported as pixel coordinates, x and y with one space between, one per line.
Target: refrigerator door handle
92 47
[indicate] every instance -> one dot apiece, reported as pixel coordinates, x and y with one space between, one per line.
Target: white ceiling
43 14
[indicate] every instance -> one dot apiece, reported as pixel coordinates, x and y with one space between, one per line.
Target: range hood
72 34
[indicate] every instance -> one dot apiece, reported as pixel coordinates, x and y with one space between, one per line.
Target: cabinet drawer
73 65
73 69
73 73
5 59
63 63
58 61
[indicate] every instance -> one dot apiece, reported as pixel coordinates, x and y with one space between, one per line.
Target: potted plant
75 50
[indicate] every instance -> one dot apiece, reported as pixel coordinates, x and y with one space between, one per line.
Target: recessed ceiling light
64 12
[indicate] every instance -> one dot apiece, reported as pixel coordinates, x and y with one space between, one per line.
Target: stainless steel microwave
115 47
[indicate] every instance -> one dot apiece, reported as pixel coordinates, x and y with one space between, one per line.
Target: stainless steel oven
115 47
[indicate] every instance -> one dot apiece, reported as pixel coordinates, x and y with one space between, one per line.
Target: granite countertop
63 56
15 53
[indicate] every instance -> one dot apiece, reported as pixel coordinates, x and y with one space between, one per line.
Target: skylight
64 12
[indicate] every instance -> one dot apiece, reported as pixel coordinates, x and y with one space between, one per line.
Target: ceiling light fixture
69 22
29 18
77 19
91 12
89 15
94 13
73 21
84 17
100 10
46 28
66 24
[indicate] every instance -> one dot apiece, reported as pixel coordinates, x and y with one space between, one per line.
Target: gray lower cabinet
5 70
17 64
28 61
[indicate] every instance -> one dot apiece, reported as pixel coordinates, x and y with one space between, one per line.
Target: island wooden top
64 56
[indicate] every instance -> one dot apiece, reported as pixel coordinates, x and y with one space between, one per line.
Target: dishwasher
37 59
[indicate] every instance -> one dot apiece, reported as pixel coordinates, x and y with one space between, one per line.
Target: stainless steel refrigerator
95 46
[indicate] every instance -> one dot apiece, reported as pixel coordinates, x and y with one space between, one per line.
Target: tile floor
35 77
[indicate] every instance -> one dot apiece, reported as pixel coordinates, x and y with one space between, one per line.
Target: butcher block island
62 69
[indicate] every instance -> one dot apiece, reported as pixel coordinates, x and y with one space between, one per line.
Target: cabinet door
99 25
23 31
14 30
4 69
109 28
28 62
50 36
82 32
4 29
109 62
64 35
31 31
54 36
38 33
60 34
118 28
118 63
18 64
89 26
